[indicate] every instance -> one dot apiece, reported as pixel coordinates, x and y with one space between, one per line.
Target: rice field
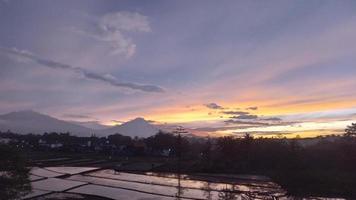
107 183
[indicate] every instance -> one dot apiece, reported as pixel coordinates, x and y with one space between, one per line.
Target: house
5 140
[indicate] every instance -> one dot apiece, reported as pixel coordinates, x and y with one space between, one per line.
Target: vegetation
351 130
323 166
14 181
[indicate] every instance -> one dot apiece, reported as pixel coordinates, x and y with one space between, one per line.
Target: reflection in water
178 132
180 189
228 193
207 191
198 186
233 193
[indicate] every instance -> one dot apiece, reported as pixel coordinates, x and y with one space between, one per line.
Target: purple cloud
87 74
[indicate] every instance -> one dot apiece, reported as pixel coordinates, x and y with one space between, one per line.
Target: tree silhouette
14 181
207 153
351 130
118 139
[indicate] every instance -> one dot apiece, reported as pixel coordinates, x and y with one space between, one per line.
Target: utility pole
179 130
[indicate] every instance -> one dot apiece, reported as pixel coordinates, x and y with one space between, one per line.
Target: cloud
235 113
117 121
214 106
223 128
124 21
252 108
240 115
113 29
273 119
77 116
268 133
231 121
108 79
245 117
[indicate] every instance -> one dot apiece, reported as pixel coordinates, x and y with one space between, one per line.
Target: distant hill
24 122
138 127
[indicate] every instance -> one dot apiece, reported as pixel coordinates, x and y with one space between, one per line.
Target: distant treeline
326 167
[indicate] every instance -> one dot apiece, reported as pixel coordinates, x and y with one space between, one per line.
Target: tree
228 147
14 181
206 153
118 139
228 152
162 141
351 130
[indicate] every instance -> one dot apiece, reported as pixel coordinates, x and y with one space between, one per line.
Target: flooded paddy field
107 183
95 178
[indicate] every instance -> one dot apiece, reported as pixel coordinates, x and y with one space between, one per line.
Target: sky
215 67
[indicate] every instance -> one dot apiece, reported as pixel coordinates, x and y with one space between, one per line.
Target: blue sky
166 60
